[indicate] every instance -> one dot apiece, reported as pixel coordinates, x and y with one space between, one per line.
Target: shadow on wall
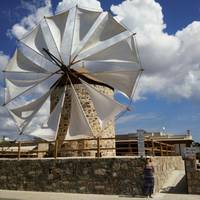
179 188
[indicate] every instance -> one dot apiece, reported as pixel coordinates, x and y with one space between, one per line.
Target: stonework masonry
115 175
88 107
193 176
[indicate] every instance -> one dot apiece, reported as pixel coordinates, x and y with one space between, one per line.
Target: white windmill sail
24 114
83 23
66 44
19 87
69 29
19 82
104 66
121 76
37 58
47 130
105 27
89 30
35 40
115 48
105 107
49 39
79 126
124 81
37 119
19 63
57 26
13 91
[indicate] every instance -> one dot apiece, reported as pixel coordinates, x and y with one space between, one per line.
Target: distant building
163 143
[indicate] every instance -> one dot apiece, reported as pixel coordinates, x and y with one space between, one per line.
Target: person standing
148 178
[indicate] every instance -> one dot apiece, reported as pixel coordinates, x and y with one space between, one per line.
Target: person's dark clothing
148 180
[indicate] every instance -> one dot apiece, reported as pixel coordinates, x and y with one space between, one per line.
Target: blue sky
169 94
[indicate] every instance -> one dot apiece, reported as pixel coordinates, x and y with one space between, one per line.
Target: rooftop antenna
163 130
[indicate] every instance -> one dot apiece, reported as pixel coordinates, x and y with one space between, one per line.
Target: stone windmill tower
107 132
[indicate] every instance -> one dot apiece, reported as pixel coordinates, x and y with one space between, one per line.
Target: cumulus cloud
171 62
3 60
37 12
137 117
131 122
66 4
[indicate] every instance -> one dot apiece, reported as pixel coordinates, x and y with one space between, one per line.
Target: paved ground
20 195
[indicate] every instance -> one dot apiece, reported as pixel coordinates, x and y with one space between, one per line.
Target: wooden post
179 145
186 174
152 145
161 151
98 147
174 150
37 150
19 150
56 149
167 149
129 148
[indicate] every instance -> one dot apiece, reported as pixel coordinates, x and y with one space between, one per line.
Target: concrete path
21 195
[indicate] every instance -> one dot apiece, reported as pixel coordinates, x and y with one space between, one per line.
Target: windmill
76 52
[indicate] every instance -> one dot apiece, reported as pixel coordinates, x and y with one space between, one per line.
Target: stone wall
193 176
88 107
83 175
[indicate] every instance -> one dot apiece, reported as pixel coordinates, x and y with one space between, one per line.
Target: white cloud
136 117
3 60
131 123
6 123
171 62
66 4
28 22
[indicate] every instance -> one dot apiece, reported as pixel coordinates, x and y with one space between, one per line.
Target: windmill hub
58 62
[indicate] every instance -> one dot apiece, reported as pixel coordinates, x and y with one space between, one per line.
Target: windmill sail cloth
47 130
104 66
49 37
121 76
105 107
116 48
24 114
79 126
28 89
38 59
20 63
104 28
19 82
123 81
90 42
